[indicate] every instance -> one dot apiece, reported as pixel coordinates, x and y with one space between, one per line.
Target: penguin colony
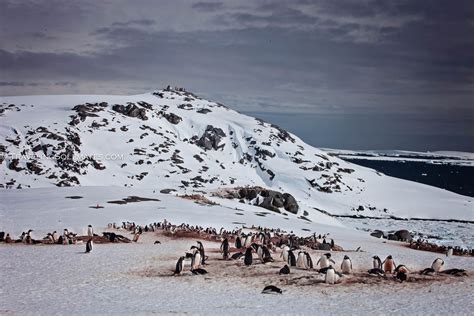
256 247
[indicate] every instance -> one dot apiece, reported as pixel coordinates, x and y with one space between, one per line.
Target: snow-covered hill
173 139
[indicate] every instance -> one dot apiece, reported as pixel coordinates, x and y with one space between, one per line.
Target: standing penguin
284 253
195 259
449 252
90 231
225 249
238 242
248 256
89 245
55 237
201 250
301 261
309 261
248 240
291 258
389 264
346 265
325 260
330 275
376 262
179 266
437 265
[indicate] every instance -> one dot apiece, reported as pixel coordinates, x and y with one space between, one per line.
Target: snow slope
174 139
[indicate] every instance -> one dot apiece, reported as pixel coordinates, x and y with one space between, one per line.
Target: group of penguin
198 258
301 261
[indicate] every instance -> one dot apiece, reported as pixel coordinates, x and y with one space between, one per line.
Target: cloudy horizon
343 74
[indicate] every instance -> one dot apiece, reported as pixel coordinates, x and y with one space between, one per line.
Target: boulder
403 235
377 234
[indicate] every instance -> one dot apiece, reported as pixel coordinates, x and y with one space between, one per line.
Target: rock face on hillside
268 199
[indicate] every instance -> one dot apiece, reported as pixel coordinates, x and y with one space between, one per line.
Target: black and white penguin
237 255
376 272
271 289
331 276
284 253
90 231
449 252
401 273
248 256
346 265
309 261
376 262
285 270
89 245
179 266
389 264
437 265
291 258
195 259
301 260
238 242
198 271
54 235
325 261
201 250
267 257
225 249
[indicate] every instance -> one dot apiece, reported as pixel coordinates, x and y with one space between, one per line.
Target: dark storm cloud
315 57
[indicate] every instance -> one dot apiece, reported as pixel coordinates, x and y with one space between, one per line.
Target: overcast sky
345 74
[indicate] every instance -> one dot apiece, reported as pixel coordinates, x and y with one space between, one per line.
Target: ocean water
458 179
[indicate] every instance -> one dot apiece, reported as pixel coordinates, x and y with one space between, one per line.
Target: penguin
330 275
238 242
285 270
449 252
55 237
376 262
346 265
437 265
267 257
237 255
301 261
179 266
89 245
401 276
291 258
157 242
201 250
376 272
284 253
248 240
389 264
196 259
248 256
309 261
225 249
325 260
402 268
90 231
271 289
199 271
